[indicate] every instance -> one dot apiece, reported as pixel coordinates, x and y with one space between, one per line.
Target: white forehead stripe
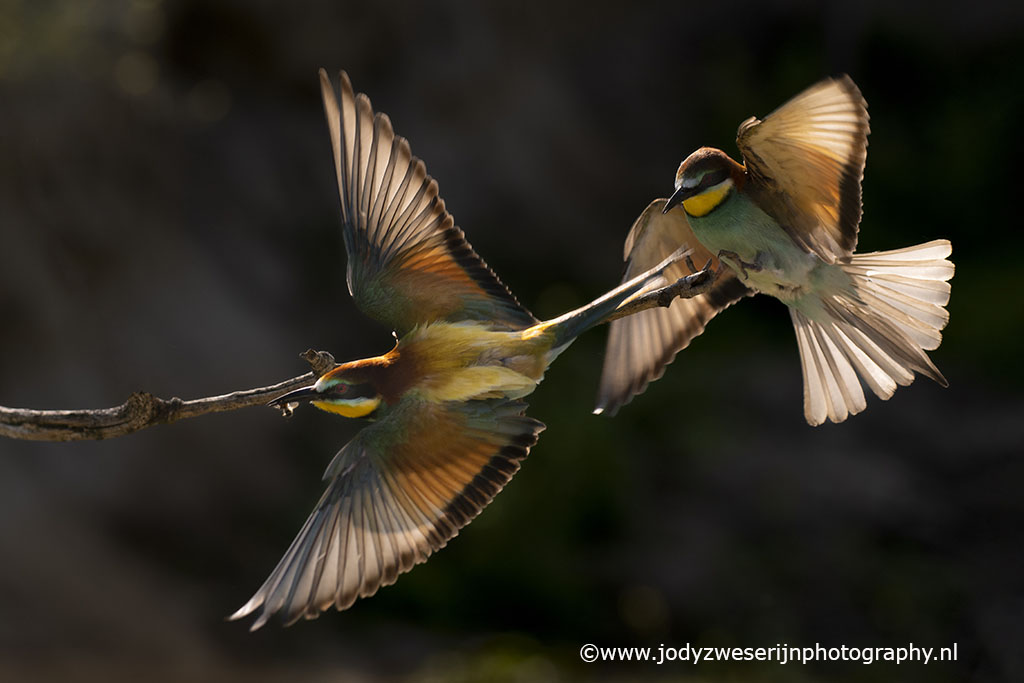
324 384
690 182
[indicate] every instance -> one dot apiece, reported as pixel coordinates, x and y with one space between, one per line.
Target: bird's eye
341 389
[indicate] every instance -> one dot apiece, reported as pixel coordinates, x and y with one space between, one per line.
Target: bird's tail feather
574 323
878 328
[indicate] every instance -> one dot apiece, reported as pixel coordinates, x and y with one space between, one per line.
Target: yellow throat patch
702 204
357 407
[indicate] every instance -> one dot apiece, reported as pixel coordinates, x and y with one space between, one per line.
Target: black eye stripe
713 178
362 391
353 391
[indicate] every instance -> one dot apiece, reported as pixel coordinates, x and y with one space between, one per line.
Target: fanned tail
879 329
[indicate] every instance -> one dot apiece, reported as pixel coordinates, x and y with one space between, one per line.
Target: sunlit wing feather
641 345
805 163
408 263
398 491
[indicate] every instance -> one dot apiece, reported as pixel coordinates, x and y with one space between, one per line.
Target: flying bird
784 223
447 423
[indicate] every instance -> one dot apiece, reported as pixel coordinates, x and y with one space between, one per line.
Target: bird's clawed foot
733 259
696 283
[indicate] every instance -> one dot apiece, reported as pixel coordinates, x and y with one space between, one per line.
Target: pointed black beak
680 195
298 396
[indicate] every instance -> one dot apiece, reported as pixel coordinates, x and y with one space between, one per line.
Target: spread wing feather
805 163
398 491
408 263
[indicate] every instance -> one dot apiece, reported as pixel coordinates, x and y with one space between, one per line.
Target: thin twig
142 410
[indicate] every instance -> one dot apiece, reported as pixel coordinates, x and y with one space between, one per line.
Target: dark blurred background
169 222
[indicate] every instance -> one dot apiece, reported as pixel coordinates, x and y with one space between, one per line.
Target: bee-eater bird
448 428
784 223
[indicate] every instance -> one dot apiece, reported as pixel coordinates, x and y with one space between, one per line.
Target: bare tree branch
142 409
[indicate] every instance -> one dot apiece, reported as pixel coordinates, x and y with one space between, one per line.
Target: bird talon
734 258
740 264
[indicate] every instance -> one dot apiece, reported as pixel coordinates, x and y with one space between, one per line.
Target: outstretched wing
641 345
805 163
398 491
408 263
